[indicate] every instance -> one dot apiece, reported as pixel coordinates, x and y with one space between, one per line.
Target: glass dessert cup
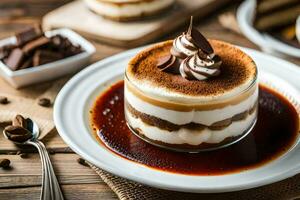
229 119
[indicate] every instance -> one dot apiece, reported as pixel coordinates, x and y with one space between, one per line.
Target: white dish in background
82 90
51 70
298 28
267 43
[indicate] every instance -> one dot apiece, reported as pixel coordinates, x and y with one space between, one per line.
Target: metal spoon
50 186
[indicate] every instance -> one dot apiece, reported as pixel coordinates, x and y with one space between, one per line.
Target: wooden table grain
23 180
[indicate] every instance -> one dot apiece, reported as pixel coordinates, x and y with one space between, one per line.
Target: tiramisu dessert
127 10
191 94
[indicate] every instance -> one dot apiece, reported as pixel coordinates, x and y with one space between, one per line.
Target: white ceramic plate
245 15
71 116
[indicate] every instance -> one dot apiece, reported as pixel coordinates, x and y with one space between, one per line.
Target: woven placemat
127 190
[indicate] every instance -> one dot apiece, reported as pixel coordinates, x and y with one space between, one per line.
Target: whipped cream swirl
192 56
200 66
183 47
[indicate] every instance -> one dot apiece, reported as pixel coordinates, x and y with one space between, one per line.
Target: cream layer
191 137
205 117
162 93
127 10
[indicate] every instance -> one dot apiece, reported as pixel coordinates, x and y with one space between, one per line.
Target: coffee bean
19 138
45 102
16 130
17 133
4 163
24 155
52 152
3 100
82 162
19 120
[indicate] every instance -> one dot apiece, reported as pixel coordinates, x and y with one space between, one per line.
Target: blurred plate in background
267 43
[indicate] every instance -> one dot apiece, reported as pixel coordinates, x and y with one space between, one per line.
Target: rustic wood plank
26 172
71 192
64 164
16 181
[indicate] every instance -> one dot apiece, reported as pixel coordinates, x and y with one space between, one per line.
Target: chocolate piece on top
14 59
28 34
201 42
168 63
237 68
195 37
195 55
163 60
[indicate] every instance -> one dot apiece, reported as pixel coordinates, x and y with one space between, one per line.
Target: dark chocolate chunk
4 163
30 46
45 102
28 34
14 59
27 63
5 50
41 57
3 100
33 48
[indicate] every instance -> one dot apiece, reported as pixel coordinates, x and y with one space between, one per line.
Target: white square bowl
52 70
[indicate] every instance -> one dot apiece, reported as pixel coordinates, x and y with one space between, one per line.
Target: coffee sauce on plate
274 134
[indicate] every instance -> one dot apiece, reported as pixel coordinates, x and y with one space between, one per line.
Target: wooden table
23 180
